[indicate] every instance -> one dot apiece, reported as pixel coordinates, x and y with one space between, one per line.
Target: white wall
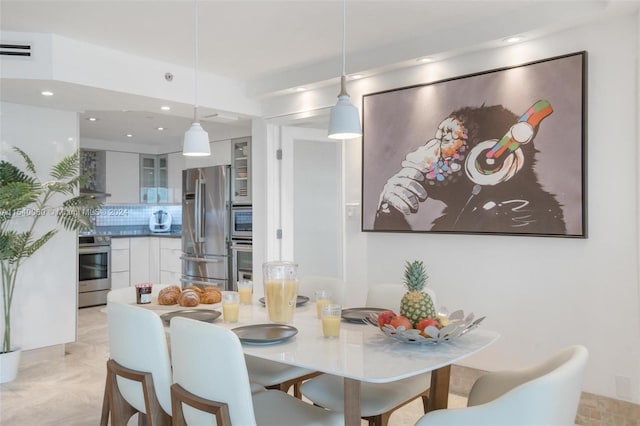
45 300
560 291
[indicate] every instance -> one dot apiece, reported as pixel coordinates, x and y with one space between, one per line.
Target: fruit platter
418 321
444 327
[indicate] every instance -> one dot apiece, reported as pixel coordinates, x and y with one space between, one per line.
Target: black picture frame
499 152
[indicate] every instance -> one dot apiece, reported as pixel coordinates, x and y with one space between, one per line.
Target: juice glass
230 306
331 317
245 289
280 290
323 298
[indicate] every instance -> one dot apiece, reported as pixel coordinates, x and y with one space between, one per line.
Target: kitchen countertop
126 231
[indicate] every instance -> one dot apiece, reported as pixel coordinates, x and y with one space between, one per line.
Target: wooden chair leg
104 416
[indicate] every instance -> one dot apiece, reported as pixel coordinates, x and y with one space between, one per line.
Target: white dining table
362 353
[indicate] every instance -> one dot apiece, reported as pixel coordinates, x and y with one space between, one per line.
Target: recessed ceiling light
425 60
46 93
160 128
129 135
300 89
165 108
356 76
513 39
92 119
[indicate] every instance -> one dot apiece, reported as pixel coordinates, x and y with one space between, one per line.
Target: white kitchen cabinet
241 170
144 260
119 263
170 262
122 177
174 177
220 155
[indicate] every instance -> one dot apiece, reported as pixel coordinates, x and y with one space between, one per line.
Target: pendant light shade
196 140
344 121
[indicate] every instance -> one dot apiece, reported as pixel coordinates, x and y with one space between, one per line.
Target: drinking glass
280 290
331 320
323 298
245 289
230 306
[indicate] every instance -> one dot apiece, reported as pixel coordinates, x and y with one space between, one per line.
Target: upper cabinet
154 179
122 177
174 178
241 170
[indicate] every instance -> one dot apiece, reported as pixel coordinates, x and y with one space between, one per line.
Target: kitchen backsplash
131 215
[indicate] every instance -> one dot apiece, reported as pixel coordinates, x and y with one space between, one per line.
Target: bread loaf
169 295
211 295
188 298
194 288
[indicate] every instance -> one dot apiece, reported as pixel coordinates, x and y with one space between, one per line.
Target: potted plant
24 200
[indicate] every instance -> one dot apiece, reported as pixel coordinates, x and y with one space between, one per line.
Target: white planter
9 363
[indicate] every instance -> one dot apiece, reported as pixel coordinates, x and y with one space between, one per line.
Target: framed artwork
497 152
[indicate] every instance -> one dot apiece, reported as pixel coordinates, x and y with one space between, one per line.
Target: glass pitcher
280 290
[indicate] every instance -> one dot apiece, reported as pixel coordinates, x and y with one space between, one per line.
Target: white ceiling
274 45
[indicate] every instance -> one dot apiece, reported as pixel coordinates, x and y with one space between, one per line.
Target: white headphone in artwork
494 161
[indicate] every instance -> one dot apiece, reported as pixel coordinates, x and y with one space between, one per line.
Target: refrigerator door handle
199 211
201 259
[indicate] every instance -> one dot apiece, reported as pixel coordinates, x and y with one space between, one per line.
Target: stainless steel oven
241 222
241 262
94 269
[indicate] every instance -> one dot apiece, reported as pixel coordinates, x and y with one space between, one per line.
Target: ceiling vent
15 49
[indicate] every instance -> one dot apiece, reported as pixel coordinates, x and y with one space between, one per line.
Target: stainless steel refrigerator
205 226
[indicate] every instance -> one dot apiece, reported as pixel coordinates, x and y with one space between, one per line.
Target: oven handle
94 250
200 259
247 248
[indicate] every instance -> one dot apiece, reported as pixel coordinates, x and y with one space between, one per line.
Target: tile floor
68 391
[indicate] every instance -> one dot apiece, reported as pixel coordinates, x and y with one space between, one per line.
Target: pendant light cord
343 76
344 37
195 69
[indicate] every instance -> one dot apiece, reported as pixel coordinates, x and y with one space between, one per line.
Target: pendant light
344 121
196 140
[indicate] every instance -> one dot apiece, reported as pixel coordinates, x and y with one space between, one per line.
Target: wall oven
241 222
241 262
94 269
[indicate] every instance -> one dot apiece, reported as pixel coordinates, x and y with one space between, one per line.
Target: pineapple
416 304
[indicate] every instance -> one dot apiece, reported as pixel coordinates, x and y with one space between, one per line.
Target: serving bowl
458 325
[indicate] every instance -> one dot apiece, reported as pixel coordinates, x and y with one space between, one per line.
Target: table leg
439 390
351 402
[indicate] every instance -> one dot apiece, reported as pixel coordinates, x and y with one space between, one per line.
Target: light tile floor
68 391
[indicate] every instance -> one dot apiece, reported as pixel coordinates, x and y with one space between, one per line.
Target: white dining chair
377 400
546 394
138 369
210 374
278 376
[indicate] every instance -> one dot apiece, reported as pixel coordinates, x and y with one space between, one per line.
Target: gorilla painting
496 152
504 196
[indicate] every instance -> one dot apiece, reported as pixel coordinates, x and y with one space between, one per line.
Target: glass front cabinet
154 185
241 170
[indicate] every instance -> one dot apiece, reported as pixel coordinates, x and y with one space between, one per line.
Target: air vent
15 49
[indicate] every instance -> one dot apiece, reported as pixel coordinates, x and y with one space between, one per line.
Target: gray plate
299 302
359 315
196 314
265 334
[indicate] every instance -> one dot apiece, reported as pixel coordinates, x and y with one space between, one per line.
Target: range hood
94 194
